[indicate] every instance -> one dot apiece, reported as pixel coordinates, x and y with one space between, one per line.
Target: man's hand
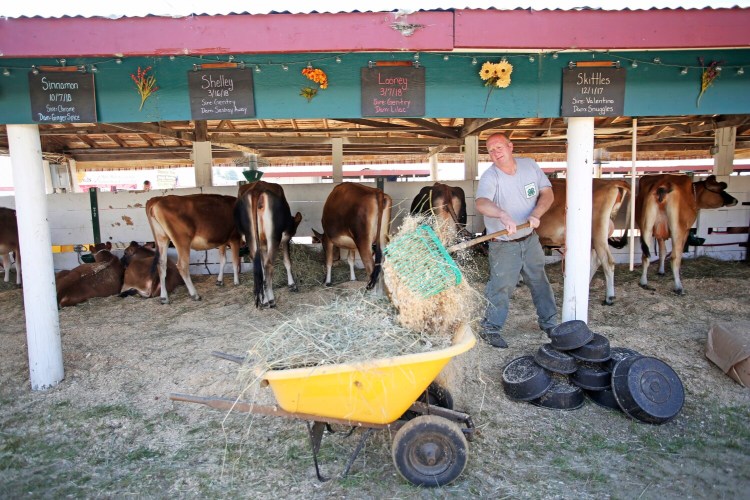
509 224
533 222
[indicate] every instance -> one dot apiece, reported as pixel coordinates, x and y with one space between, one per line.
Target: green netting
422 263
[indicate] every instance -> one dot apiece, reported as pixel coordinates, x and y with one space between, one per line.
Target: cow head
712 194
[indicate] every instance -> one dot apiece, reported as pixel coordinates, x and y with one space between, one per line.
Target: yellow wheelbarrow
399 393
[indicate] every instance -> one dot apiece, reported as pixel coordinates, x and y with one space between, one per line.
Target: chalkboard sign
62 97
393 91
593 91
221 94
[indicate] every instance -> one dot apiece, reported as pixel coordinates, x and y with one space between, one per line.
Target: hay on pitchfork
441 314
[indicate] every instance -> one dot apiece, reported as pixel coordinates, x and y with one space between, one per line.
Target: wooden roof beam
693 129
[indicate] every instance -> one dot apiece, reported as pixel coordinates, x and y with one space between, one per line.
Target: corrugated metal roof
183 8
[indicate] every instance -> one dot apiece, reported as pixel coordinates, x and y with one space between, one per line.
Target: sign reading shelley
221 94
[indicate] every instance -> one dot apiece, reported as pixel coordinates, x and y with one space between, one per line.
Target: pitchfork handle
481 239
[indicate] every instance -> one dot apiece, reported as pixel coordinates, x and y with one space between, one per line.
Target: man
510 192
147 185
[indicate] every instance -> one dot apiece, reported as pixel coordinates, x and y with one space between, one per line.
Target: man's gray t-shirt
516 194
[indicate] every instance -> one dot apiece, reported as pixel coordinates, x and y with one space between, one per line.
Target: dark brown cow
141 274
9 242
446 203
196 221
99 279
355 217
608 196
263 216
666 207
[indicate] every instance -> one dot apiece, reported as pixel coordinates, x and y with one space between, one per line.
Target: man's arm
546 197
486 207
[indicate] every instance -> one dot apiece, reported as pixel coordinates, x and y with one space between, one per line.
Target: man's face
500 149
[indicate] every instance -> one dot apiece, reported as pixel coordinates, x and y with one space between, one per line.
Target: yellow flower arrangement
316 75
708 75
496 74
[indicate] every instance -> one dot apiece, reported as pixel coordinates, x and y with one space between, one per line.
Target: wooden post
724 141
39 295
578 218
202 161
471 157
337 153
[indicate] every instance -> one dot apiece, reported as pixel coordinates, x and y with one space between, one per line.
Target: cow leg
288 265
269 299
235 247
183 266
222 263
329 260
663 255
6 266
677 245
608 268
17 255
368 259
350 258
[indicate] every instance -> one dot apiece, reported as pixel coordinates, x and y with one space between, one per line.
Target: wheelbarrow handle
482 239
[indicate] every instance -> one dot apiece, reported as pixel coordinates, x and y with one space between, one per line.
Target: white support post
725 139
203 163
633 172
38 270
434 167
48 189
337 157
471 157
578 219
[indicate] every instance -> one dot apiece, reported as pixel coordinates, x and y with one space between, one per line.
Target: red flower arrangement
144 83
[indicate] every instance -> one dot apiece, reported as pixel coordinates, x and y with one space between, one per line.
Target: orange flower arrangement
144 83
316 75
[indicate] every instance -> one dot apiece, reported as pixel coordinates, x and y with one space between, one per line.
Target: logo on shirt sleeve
530 190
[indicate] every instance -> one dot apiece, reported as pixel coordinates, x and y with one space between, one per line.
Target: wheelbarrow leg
356 451
315 431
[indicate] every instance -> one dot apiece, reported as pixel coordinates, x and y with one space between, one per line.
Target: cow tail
378 249
622 241
259 289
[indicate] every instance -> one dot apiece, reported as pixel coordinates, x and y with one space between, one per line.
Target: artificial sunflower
487 71
502 82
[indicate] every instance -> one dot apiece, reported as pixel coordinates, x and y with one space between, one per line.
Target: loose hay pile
439 314
353 326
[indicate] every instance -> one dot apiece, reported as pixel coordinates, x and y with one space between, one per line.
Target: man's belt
517 240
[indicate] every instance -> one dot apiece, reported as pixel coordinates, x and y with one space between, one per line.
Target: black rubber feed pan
605 398
570 335
555 361
524 380
647 389
562 395
596 351
592 377
618 354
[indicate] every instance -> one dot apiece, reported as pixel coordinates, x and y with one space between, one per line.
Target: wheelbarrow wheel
430 451
435 395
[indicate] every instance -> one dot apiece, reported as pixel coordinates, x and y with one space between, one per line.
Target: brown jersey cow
9 242
666 207
263 216
356 217
141 273
446 203
196 221
99 279
608 196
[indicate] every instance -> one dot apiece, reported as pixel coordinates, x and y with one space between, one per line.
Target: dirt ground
109 428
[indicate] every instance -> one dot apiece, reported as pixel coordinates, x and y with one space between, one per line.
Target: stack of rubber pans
579 361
